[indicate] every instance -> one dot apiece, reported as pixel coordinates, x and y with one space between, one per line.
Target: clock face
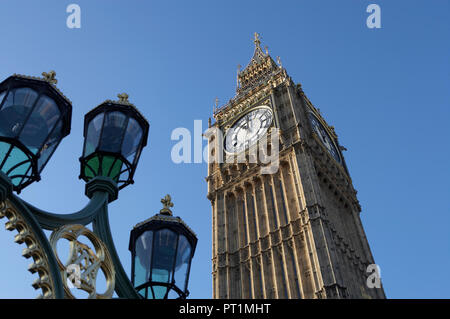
248 129
324 137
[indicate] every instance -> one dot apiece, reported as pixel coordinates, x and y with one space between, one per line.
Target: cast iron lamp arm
101 190
85 216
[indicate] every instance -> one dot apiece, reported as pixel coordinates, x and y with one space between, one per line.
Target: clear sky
386 91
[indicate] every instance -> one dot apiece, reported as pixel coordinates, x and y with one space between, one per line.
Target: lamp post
34 117
162 248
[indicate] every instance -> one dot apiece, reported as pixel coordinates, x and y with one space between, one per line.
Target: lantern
115 133
34 117
162 249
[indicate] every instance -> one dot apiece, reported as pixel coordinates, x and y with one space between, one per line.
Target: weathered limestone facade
293 234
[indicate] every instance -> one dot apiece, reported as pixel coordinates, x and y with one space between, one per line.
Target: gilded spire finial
50 77
123 98
167 203
256 40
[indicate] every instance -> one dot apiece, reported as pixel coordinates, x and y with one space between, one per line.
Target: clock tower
294 232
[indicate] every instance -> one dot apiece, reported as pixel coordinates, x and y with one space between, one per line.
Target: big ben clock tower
294 232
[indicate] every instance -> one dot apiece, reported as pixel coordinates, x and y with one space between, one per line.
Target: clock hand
244 124
249 124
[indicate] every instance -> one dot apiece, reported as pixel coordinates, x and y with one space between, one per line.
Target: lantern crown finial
123 98
50 77
167 203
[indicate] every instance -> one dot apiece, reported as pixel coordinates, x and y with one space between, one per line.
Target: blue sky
386 91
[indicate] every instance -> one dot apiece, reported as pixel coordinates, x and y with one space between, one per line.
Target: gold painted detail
259 70
86 260
40 264
261 97
50 77
167 204
256 92
166 218
52 83
123 98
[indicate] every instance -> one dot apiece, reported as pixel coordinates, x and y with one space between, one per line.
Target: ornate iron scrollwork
88 262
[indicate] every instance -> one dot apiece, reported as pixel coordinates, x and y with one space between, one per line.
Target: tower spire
256 40
261 65
259 54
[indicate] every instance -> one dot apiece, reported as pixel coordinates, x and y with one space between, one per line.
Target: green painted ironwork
34 117
124 288
101 191
29 218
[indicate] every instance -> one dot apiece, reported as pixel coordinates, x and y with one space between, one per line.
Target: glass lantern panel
93 134
40 123
124 176
15 111
15 157
2 95
132 140
91 167
113 130
143 255
18 173
163 255
111 166
159 292
173 294
136 157
50 145
182 265
142 292
4 148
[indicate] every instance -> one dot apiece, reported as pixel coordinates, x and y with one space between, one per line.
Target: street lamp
115 133
162 248
34 117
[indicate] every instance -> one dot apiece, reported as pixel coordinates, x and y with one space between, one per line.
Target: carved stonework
275 237
222 260
296 226
265 243
244 253
296 216
254 249
286 232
